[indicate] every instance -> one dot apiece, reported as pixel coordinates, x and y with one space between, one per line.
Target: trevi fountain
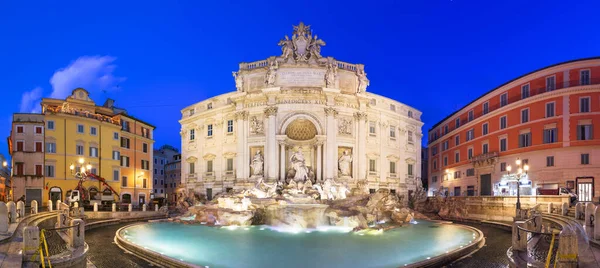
300 167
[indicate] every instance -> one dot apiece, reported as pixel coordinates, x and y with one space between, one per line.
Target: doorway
585 189
486 184
142 199
457 191
55 195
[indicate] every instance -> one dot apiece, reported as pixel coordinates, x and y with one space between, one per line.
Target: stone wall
493 208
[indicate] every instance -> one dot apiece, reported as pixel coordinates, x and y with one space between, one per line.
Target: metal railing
542 246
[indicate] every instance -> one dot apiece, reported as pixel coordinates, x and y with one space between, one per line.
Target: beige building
26 147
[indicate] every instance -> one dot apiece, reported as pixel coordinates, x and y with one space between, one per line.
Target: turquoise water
259 246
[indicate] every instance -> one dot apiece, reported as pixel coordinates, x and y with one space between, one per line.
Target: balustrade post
549 208
579 211
50 205
564 209
114 207
21 209
519 237
12 211
589 213
77 233
597 226
31 241
537 219
4 221
566 256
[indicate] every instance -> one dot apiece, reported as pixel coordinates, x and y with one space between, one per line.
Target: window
39 146
94 171
503 99
410 114
550 135
503 145
457 174
584 77
372 167
434 151
79 149
584 104
144 147
209 106
456 140
525 91
192 134
393 132
93 152
51 147
20 129
470 115
145 164
434 179
209 130
116 155
485 148
39 130
161 191
584 132
550 109
525 140
549 161
525 115
434 164
145 132
470 153
125 126
162 172
93 131
503 122
550 83
125 142
80 128
229 164
192 112
209 166
115 135
470 134
457 123
445 145
484 129
124 182
20 146
409 134
410 170
446 129
145 183
50 125
585 159
372 128
445 160
155 172
456 157
19 169
49 171
38 170
125 161
486 107
470 172
115 175
229 126
502 166
392 107
192 168
392 167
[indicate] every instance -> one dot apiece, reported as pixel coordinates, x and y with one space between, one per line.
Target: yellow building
77 130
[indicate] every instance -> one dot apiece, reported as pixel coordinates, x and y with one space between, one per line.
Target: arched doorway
55 194
126 198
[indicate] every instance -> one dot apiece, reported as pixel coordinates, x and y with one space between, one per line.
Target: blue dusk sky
157 57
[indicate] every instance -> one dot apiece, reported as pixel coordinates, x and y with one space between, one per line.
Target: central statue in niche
299 166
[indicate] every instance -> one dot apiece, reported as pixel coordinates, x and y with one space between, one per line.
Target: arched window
126 198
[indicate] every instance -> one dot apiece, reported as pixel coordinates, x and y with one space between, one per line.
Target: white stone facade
300 102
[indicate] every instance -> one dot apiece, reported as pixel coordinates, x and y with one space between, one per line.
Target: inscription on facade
301 77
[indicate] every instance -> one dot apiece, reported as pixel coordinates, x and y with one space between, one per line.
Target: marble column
239 170
319 170
331 143
271 144
282 159
361 120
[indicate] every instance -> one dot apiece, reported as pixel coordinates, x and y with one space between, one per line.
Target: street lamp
521 173
83 171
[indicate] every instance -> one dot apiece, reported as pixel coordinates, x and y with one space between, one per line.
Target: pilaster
331 143
271 143
361 121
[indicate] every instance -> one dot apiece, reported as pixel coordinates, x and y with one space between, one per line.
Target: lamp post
521 173
83 171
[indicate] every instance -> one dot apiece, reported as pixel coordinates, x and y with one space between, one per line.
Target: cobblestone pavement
493 253
55 243
104 253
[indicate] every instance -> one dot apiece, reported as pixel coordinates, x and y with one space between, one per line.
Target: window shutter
591 128
578 132
521 140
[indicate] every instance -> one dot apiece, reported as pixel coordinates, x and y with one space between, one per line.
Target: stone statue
344 163
298 164
239 81
345 126
256 125
271 73
363 82
257 164
315 47
331 75
287 47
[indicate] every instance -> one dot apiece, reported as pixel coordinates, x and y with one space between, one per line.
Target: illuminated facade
547 118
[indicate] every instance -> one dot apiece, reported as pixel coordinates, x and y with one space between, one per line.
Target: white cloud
30 101
94 73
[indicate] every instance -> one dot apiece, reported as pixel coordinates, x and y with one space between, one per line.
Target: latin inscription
301 77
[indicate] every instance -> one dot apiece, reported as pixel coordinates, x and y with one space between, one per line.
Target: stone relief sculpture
331 75
271 73
344 163
315 47
363 82
287 48
345 126
257 164
303 46
298 164
239 81
256 126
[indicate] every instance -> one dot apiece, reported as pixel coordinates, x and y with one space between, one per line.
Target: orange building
546 118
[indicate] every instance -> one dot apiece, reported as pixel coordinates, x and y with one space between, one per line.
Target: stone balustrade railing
253 65
347 66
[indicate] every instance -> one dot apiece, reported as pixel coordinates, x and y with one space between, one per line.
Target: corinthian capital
360 116
329 111
241 115
271 110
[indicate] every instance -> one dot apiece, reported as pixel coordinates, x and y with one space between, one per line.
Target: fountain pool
260 246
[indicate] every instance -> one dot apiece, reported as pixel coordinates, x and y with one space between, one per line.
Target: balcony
192 177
